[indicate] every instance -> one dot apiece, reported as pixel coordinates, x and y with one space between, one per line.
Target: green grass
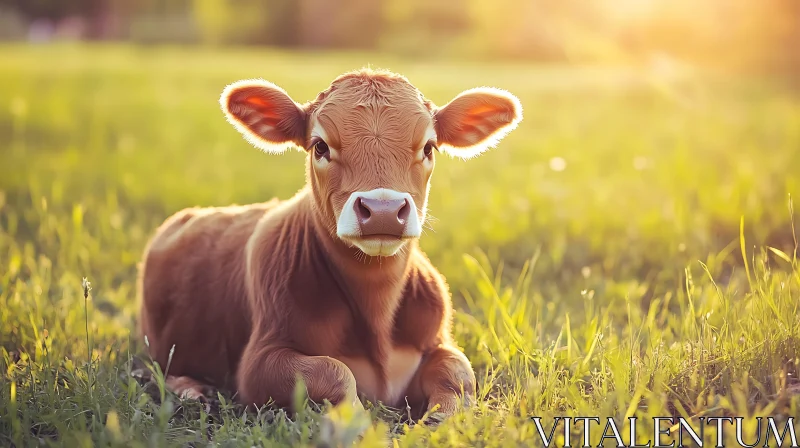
622 284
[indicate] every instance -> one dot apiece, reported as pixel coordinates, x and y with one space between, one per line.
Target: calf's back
193 291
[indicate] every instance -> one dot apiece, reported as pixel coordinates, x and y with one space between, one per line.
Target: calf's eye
428 151
321 150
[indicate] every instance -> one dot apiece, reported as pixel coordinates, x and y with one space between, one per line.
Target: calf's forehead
367 110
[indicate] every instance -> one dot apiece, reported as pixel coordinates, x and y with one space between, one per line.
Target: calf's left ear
476 120
265 115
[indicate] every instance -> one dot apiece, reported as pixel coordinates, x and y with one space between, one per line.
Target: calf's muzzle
386 217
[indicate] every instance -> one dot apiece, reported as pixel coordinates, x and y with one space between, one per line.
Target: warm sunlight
399 223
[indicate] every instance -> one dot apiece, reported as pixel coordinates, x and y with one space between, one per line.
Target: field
629 250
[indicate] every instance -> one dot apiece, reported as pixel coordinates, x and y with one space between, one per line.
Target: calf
329 286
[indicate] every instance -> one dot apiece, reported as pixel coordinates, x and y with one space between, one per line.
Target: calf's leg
445 372
188 387
271 372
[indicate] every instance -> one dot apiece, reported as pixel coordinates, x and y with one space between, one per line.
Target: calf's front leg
271 372
444 373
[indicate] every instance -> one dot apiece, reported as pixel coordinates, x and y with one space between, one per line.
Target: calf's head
371 139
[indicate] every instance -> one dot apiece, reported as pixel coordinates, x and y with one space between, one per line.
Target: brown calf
329 285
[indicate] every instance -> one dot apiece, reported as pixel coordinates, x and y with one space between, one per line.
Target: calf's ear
265 114
476 120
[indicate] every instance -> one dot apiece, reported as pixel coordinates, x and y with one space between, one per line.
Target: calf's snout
382 216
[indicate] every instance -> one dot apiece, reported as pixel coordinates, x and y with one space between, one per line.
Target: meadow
629 250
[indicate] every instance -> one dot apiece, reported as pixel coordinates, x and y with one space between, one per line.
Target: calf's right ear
265 115
476 120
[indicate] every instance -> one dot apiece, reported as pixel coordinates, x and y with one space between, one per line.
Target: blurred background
734 34
618 235
651 126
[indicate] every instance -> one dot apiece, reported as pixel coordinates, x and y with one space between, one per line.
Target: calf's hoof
188 388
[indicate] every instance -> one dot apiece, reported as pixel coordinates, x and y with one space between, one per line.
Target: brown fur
251 296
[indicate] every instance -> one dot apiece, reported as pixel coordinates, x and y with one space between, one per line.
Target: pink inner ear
256 101
267 113
482 110
474 118
486 113
480 121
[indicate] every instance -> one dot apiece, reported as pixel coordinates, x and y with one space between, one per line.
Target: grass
629 250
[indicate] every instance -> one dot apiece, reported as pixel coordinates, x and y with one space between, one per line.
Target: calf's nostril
402 214
362 210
